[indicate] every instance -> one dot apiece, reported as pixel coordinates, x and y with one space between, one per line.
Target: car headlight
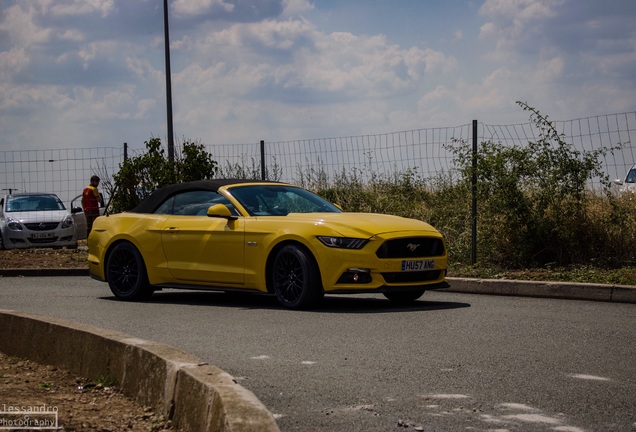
67 222
343 242
14 224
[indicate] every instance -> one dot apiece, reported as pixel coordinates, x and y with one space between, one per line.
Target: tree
140 175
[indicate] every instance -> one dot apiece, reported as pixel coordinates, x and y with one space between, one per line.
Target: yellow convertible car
269 237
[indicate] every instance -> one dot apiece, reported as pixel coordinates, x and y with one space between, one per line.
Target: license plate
418 265
41 235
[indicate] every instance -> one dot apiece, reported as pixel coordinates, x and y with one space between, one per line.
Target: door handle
172 229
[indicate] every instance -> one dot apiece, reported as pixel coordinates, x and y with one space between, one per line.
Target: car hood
38 216
361 225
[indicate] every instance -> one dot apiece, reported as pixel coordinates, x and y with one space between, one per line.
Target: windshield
27 203
275 200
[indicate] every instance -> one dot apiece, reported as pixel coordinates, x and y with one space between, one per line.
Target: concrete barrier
196 396
562 290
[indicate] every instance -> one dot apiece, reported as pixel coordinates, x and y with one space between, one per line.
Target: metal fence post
168 85
474 198
263 160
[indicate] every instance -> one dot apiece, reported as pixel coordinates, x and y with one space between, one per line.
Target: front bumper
24 239
371 270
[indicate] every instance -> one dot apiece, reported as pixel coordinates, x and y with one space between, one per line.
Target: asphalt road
451 362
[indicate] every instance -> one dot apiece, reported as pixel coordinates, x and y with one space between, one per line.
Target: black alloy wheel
295 278
126 273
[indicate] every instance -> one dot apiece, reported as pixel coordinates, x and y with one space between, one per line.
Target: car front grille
411 277
43 240
414 247
41 226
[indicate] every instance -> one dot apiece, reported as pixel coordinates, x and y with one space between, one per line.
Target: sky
91 73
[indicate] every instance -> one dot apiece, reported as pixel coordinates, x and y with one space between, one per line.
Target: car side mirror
221 210
76 210
618 182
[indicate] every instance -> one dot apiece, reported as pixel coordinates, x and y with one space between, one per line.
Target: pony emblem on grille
412 246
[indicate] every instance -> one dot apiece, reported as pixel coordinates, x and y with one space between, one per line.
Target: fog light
355 276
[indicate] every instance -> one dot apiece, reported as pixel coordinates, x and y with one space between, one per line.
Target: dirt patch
44 258
81 404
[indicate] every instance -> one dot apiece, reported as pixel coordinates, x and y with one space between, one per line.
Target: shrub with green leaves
535 208
140 175
533 199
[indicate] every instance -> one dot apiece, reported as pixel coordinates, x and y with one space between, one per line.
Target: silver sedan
38 220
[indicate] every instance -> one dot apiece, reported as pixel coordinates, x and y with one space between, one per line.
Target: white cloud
79 7
292 69
72 35
296 7
92 51
12 62
197 7
19 24
515 24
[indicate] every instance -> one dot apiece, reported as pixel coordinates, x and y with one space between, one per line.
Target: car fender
109 230
256 274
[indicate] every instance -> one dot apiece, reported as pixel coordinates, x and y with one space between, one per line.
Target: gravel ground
81 404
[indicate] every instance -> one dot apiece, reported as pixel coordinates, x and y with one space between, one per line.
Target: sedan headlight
67 222
343 242
14 224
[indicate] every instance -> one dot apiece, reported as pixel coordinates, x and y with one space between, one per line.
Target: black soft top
150 204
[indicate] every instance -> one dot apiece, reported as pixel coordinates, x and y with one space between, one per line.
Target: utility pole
168 83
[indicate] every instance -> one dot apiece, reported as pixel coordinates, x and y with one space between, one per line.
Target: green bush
139 176
534 205
533 200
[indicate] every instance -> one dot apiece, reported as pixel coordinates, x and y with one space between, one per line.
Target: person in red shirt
91 201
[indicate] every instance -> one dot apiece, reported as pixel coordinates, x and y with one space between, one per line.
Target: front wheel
295 278
126 273
403 297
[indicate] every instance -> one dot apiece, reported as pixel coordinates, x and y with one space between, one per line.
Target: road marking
517 406
445 396
589 377
533 418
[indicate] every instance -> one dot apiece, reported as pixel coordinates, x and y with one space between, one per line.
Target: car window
34 203
631 176
280 200
193 203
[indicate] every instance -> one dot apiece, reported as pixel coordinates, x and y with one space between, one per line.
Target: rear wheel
295 278
126 273
403 297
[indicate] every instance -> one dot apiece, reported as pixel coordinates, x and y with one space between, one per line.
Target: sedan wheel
295 278
126 273
404 296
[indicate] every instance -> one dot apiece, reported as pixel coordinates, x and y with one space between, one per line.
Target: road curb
44 272
560 290
196 396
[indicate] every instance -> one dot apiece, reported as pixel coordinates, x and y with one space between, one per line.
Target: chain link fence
422 152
